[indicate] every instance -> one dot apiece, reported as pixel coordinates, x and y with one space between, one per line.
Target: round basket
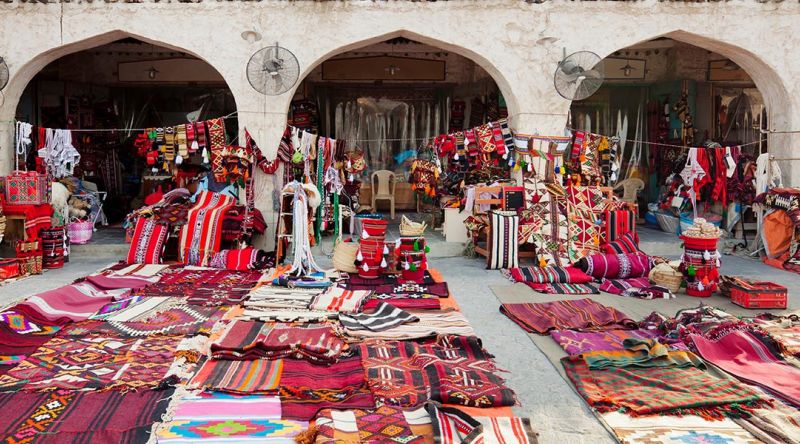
411 228
664 275
80 232
668 223
344 257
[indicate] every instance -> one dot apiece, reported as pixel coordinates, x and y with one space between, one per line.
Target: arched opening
106 96
664 95
389 98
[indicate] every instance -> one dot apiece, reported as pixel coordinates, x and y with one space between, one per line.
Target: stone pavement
557 413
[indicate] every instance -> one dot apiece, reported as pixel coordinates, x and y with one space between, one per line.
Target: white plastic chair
384 189
630 189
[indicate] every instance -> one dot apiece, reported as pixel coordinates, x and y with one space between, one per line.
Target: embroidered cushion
503 241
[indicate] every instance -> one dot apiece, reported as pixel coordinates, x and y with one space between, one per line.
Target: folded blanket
642 353
580 314
561 288
383 318
549 275
618 286
340 299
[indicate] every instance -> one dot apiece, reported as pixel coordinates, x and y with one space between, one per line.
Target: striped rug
200 238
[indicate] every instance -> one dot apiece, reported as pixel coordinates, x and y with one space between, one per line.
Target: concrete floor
557 413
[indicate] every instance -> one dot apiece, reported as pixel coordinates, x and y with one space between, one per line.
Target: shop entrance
389 101
106 97
662 97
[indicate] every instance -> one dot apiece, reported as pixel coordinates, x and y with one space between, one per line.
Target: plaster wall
516 42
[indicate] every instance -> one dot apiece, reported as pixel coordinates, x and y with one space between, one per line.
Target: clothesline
670 145
101 130
766 131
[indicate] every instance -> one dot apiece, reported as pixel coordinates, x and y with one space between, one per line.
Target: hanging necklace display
23 141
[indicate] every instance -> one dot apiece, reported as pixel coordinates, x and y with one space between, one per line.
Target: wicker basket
411 228
344 257
80 232
666 276
669 223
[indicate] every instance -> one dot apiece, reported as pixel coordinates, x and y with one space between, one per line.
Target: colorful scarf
619 286
563 288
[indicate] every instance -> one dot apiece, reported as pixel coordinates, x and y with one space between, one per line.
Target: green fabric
660 390
642 353
321 189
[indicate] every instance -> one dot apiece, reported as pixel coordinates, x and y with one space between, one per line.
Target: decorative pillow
616 266
503 243
617 224
628 243
147 242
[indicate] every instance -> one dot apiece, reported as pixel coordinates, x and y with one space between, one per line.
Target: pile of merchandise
658 377
701 259
42 245
207 354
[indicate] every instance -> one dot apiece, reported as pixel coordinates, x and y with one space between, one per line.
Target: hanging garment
719 192
691 173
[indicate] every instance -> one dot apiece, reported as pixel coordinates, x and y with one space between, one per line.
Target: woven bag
344 257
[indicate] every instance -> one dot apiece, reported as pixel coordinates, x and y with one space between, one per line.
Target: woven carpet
219 417
66 416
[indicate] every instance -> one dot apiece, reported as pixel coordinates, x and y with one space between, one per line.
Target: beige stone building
726 50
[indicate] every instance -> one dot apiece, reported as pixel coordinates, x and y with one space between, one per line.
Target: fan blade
278 84
593 73
586 88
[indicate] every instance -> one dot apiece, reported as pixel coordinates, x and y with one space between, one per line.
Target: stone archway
765 75
22 75
500 79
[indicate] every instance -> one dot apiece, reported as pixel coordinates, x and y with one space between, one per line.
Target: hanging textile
216 134
59 155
